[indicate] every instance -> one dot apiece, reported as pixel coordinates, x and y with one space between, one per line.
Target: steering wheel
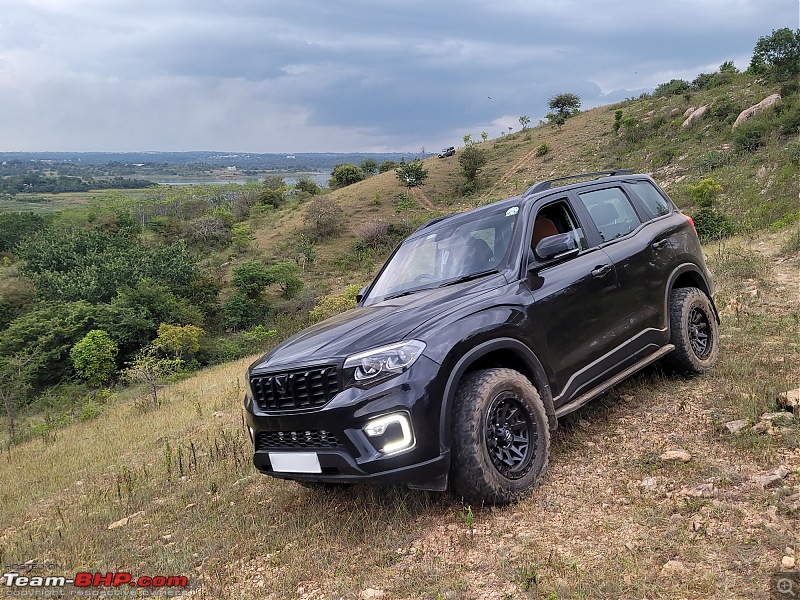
419 278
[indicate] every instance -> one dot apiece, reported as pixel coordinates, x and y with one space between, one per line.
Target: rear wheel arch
502 352
688 276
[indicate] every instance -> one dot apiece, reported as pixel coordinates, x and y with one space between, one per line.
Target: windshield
449 253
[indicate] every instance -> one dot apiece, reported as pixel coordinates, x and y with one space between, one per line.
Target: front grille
291 440
306 388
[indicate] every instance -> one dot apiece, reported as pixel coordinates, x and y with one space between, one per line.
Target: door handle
660 244
601 270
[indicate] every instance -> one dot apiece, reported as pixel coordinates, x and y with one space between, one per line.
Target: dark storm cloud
307 75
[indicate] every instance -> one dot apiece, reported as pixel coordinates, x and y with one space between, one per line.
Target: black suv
482 329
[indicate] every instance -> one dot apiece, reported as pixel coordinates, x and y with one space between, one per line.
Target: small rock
760 427
125 520
673 567
218 414
791 400
649 483
369 593
771 480
787 562
736 426
699 490
679 455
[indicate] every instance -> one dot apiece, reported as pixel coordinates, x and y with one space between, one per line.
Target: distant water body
321 179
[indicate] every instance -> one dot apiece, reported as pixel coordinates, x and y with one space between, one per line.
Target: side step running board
593 393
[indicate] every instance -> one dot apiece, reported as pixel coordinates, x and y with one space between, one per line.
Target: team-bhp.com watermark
89 584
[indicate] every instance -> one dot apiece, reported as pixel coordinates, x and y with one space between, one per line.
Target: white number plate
295 462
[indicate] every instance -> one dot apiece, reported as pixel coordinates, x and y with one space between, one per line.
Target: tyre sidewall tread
683 359
474 476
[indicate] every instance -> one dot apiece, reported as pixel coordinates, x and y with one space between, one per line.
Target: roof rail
546 185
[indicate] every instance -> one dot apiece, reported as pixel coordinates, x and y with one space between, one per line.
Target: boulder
695 116
748 113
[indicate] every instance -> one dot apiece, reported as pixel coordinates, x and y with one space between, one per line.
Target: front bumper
346 453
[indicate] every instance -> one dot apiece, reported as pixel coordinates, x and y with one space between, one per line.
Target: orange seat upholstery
542 228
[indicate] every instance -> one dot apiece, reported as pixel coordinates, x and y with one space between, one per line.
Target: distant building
230 168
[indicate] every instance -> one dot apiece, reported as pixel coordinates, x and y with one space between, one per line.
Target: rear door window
612 212
654 203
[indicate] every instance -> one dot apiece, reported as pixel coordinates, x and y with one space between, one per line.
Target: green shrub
704 192
751 135
724 108
331 305
542 150
94 357
712 225
674 87
713 159
793 150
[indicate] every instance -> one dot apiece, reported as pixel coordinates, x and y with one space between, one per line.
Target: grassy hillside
171 491
759 186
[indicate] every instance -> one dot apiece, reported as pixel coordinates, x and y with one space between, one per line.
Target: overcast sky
341 75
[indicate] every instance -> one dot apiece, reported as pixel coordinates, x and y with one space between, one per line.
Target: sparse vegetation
79 463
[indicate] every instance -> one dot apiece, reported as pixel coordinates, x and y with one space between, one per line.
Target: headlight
368 368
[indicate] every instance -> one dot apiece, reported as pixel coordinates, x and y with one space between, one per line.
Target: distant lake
321 179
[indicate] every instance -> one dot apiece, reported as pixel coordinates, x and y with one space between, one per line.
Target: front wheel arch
533 370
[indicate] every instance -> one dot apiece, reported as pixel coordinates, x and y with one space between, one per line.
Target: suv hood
368 327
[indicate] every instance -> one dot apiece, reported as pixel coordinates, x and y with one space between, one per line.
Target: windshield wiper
405 293
469 277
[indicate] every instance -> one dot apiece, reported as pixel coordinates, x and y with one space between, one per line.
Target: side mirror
361 293
556 245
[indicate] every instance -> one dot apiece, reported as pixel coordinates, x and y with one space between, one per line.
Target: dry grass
603 523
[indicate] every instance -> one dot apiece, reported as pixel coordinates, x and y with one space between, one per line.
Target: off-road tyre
501 439
693 330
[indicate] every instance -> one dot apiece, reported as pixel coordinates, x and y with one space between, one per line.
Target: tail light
691 222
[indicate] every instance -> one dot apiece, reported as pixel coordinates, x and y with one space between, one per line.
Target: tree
388 165
94 357
285 274
273 182
270 197
325 216
241 236
16 374
307 185
411 174
240 312
17 226
251 278
472 159
565 105
467 139
728 67
484 136
149 369
346 174
369 166
777 55
182 341
524 121
674 87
